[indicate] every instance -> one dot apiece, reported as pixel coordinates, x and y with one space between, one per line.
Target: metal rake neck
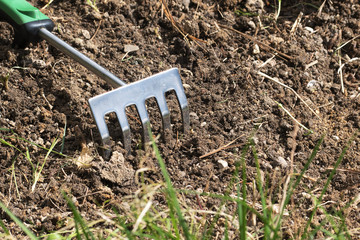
81 58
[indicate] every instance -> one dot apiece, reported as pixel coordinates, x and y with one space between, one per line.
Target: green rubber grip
25 19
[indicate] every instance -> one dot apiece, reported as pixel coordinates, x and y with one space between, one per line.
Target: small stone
203 124
79 42
96 15
130 48
186 86
254 5
38 63
282 162
182 174
186 4
312 86
86 34
91 46
223 164
194 116
276 40
252 24
256 49
311 30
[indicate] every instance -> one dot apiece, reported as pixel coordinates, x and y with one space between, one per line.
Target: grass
36 168
92 4
177 220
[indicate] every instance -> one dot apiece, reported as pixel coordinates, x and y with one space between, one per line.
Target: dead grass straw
177 26
285 86
261 44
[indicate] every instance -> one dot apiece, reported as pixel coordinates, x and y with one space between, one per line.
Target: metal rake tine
136 94
165 113
125 129
184 107
144 117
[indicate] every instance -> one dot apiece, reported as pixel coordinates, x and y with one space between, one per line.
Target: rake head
136 94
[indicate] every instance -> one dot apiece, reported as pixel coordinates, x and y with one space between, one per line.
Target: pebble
254 5
96 15
79 42
223 164
194 115
252 24
282 162
91 46
276 40
182 174
86 34
186 86
130 48
313 86
256 49
38 63
186 4
203 124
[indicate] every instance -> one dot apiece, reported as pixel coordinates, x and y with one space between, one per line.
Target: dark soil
229 101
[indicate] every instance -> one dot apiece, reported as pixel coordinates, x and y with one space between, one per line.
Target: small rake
30 25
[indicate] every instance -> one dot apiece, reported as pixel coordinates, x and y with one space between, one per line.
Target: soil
245 74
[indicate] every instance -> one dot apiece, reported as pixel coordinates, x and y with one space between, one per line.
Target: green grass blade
231 199
78 235
242 208
292 186
337 163
266 212
27 231
162 232
38 173
173 201
3 141
2 225
122 223
173 218
37 145
78 219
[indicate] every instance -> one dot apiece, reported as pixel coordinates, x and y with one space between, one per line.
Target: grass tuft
146 220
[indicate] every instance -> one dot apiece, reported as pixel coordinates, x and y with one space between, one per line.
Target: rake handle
30 25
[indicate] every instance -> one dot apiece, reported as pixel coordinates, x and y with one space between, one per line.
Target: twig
342 45
267 61
311 64
284 85
349 61
296 23
179 28
321 8
254 119
293 146
97 29
47 102
344 170
220 148
341 76
261 44
292 117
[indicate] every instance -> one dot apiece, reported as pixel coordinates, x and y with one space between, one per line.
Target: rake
30 25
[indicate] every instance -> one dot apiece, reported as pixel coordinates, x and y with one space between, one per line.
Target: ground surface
229 101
